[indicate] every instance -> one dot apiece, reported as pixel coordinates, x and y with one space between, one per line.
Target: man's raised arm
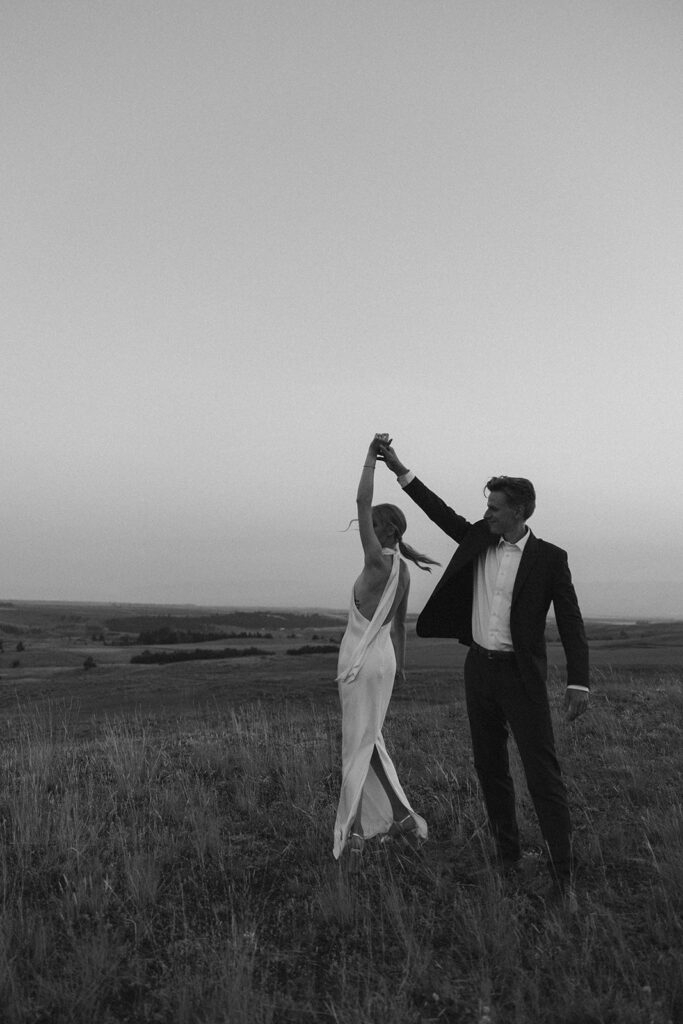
431 504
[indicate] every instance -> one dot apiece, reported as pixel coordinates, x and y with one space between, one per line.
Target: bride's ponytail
414 556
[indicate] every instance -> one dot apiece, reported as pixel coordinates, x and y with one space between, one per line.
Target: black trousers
497 699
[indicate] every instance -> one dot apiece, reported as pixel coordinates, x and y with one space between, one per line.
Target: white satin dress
366 669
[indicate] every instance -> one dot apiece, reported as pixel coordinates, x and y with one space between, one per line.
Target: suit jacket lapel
476 541
472 546
529 556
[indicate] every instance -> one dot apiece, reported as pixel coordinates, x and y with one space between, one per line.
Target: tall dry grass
182 872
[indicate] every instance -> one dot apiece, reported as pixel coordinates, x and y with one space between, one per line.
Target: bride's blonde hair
392 516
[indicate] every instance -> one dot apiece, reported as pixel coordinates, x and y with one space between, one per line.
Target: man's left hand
575 703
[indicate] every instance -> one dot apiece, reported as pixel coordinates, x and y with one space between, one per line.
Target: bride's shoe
406 828
356 844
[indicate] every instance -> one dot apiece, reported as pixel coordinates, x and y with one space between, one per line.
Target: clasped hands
382 450
378 444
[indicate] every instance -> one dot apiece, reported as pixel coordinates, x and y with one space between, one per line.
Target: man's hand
378 442
575 703
389 456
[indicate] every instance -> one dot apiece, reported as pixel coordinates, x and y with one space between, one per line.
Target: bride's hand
378 443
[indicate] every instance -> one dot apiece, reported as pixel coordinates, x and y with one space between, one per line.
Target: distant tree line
166 635
254 619
199 654
315 649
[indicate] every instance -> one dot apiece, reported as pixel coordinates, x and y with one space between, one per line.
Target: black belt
483 652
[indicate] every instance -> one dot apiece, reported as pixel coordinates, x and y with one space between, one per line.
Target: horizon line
319 609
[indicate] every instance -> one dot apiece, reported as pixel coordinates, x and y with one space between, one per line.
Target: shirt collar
521 543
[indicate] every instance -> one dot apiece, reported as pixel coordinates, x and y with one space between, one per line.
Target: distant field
57 640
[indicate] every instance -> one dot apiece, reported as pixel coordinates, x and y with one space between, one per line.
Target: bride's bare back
369 587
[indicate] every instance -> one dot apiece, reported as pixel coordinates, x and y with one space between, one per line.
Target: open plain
165 834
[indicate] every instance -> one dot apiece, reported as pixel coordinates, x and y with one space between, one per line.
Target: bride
371 656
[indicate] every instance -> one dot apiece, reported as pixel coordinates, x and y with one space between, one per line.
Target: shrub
168 657
314 649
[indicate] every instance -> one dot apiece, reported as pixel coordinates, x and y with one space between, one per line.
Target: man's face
501 517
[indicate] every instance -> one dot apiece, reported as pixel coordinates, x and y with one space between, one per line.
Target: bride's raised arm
371 545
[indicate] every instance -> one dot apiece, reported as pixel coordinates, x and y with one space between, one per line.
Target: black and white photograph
341 571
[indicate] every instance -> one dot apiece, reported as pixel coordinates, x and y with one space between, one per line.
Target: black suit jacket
543 577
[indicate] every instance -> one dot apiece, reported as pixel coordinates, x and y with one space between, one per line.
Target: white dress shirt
494 579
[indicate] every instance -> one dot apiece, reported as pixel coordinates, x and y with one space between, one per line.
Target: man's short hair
518 490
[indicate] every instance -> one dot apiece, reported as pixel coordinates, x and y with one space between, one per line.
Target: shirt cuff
573 686
406 478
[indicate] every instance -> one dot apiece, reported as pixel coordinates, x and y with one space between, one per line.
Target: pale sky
240 236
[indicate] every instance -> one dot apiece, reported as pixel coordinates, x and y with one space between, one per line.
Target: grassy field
166 833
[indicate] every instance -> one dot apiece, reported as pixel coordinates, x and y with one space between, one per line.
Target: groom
494 597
